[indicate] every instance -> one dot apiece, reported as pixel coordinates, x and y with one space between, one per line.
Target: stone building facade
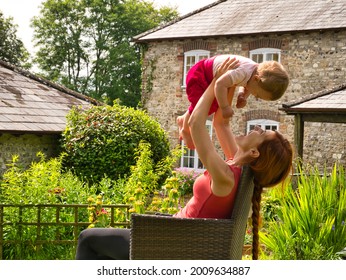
26 147
315 60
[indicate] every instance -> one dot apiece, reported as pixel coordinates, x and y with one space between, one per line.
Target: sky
22 11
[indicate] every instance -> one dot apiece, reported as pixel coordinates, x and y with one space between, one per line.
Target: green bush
309 223
102 141
42 183
45 182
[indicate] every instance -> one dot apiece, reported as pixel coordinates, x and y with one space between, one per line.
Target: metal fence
58 217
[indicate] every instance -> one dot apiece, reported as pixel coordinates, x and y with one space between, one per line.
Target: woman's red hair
270 169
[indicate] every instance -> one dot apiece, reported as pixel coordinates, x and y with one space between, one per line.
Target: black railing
57 216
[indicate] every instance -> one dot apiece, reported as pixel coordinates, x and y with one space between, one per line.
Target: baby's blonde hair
273 78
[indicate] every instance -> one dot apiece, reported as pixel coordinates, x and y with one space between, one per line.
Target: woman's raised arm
224 133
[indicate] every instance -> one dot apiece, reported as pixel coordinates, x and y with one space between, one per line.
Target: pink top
202 73
241 75
204 204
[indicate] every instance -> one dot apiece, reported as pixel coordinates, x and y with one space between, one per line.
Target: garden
119 157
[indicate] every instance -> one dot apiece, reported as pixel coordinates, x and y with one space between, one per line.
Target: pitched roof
240 17
31 104
325 101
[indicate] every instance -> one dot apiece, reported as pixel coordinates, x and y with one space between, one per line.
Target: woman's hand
228 64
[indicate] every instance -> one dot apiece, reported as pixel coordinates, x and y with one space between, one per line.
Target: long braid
256 205
269 169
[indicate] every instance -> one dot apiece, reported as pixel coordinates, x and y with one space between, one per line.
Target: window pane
263 123
191 162
190 61
190 158
202 57
265 54
271 127
272 56
257 58
200 165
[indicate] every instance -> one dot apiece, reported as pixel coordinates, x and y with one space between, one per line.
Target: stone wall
26 146
314 60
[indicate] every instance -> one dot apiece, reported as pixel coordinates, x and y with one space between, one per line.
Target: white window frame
191 156
267 54
197 55
265 124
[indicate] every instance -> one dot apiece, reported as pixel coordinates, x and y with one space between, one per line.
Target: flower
139 190
131 199
102 211
98 216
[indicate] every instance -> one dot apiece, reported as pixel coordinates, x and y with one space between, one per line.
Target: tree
103 141
86 45
12 49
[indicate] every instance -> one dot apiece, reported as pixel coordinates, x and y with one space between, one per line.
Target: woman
268 153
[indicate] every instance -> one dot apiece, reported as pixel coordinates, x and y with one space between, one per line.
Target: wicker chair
164 237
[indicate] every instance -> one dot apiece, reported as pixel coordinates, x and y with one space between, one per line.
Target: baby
267 80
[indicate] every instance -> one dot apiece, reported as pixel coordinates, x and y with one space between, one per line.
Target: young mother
268 154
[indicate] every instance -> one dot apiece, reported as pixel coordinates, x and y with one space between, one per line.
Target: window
263 123
190 157
191 58
265 54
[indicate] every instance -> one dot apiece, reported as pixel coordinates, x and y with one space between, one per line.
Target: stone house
32 114
307 36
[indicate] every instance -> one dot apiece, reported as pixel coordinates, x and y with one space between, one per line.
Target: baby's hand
241 101
242 97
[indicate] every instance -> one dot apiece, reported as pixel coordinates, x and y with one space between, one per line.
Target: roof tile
236 17
29 103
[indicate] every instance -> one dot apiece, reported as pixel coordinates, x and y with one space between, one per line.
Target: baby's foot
180 122
227 112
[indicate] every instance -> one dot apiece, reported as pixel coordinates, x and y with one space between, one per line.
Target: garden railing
42 216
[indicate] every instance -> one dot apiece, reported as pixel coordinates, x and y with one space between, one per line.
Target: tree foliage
103 140
12 49
87 45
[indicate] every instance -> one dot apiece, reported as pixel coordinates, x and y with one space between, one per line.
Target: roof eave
139 38
294 111
34 132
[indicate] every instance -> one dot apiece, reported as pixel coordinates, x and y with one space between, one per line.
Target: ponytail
270 169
